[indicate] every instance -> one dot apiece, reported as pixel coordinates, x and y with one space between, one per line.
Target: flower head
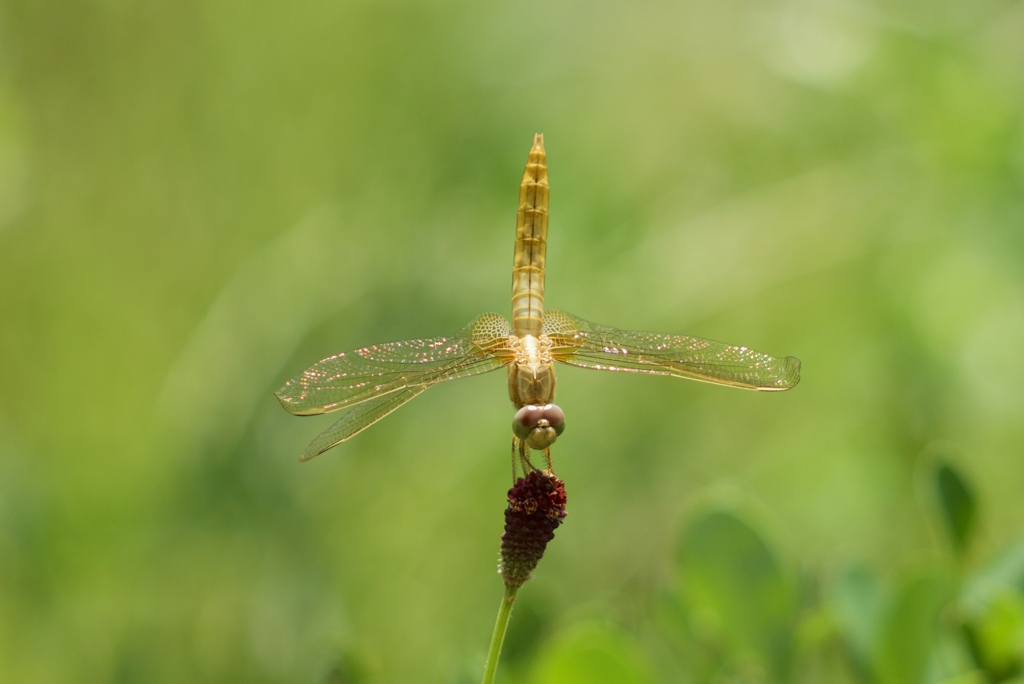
536 507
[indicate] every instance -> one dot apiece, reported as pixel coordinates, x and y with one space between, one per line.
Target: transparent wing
353 377
577 342
383 377
358 419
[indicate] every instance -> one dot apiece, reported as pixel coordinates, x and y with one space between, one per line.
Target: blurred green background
200 199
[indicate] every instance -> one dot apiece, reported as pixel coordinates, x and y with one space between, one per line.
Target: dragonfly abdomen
531 244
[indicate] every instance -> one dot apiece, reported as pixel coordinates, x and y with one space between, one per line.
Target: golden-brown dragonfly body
531 375
531 246
377 380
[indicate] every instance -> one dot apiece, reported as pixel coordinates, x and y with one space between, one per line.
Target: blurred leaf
736 593
592 652
993 615
969 678
996 636
907 639
345 669
1005 571
860 602
957 503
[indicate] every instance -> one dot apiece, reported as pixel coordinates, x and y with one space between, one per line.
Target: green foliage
735 613
591 652
991 614
742 605
957 506
199 199
906 641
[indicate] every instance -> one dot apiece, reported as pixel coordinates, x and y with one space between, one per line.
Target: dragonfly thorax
531 386
531 376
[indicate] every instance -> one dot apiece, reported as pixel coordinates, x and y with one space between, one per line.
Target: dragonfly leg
547 458
524 458
515 440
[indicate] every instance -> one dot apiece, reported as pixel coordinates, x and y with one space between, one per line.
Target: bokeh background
200 199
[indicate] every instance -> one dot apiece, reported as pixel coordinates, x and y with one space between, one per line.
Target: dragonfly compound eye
539 426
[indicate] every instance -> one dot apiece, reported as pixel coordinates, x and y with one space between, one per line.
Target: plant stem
498 638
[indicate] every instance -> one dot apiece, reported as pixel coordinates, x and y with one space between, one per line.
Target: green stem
498 638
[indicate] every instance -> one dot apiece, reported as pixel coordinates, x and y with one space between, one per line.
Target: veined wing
358 419
372 372
577 342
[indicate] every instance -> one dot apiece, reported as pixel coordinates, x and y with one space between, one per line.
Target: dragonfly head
539 426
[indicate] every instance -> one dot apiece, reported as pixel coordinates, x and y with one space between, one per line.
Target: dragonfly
376 380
